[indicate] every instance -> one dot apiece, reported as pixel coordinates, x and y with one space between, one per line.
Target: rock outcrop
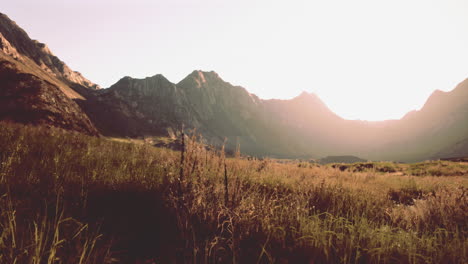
35 86
15 42
26 98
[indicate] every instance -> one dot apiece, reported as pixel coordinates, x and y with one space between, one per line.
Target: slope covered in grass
70 198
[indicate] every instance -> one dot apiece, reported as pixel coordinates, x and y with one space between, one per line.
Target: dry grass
68 198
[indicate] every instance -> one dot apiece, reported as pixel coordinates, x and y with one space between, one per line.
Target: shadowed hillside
35 86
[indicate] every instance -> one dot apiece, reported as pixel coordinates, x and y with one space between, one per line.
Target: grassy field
69 198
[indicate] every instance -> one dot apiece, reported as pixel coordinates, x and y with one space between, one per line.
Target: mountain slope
202 102
301 127
137 107
26 98
35 86
227 111
15 42
440 125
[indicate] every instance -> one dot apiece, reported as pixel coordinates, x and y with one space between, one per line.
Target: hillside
27 98
15 42
154 106
300 127
35 86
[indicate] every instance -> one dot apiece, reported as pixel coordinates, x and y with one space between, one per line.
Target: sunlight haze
368 60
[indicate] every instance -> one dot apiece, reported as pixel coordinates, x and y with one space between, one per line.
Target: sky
366 59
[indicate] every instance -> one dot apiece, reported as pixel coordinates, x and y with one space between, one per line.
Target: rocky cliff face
231 112
201 102
26 98
138 107
35 86
15 42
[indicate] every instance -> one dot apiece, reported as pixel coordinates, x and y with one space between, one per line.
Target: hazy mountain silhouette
201 101
36 87
300 127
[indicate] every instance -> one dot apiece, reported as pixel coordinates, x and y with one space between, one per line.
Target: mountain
440 128
37 87
202 101
137 107
301 127
15 42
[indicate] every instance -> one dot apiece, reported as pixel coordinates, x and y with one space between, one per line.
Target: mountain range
36 87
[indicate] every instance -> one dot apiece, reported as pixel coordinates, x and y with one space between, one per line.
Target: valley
202 171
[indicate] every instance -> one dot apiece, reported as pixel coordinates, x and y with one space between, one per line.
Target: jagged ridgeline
36 87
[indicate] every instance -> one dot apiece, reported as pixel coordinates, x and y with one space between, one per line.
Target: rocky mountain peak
307 95
200 79
160 78
309 99
124 81
205 74
435 100
127 81
15 42
150 87
462 88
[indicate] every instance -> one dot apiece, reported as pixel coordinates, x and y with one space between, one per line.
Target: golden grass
69 198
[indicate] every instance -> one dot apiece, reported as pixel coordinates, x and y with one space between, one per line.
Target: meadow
70 198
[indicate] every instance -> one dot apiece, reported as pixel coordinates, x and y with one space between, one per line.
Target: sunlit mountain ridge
302 127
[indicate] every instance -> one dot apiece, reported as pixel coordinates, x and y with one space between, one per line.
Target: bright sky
366 59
